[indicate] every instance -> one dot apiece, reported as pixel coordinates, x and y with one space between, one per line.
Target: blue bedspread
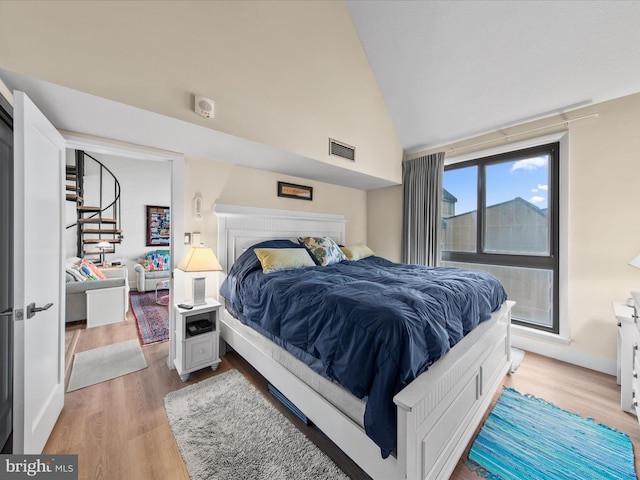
372 325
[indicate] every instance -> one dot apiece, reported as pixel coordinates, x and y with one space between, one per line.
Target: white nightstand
626 344
197 338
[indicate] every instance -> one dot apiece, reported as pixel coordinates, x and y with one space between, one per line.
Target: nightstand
626 342
197 338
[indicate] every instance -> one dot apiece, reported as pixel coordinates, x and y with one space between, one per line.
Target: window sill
532 333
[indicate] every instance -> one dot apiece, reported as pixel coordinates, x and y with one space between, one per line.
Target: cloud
530 163
543 187
537 199
534 190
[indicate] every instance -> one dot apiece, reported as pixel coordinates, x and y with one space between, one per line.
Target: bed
436 413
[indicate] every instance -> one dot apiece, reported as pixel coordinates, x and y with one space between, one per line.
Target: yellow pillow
357 252
276 259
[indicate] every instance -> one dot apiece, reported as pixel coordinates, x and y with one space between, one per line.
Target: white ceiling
448 70
451 70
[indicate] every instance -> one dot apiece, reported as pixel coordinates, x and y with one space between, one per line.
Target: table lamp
199 259
104 245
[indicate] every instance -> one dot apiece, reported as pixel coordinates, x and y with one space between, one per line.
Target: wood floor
119 428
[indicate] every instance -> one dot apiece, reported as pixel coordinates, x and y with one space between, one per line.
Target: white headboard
241 227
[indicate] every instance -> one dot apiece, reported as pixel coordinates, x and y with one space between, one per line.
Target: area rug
152 319
527 438
517 356
226 429
105 363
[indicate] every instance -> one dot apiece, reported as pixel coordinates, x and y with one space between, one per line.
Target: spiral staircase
96 193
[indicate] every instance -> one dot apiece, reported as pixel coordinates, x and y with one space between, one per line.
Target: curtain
421 209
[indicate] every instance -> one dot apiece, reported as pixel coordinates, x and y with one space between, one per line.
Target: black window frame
545 262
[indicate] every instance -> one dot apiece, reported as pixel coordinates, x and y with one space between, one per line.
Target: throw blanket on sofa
371 325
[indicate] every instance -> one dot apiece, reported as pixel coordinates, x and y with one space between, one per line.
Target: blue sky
527 178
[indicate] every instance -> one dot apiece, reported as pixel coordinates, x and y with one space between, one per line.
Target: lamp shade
200 259
103 245
635 262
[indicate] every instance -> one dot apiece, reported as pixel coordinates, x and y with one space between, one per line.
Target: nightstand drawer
200 350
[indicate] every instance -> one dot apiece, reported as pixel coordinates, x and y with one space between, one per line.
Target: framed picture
291 190
158 226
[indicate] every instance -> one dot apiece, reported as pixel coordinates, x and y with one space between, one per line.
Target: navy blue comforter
371 325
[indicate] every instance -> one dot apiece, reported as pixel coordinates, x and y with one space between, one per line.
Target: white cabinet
628 358
197 338
105 306
635 366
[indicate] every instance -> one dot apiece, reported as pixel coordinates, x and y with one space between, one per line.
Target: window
500 215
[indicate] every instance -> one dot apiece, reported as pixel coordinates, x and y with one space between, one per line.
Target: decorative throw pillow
276 259
326 251
357 252
95 270
75 273
156 261
88 273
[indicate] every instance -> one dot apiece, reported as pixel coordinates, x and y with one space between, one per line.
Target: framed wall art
158 226
291 190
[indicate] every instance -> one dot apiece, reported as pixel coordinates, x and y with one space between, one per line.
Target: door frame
176 247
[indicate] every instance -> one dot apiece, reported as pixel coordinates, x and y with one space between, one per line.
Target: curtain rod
506 137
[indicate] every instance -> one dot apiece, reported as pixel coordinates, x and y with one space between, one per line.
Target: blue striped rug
527 438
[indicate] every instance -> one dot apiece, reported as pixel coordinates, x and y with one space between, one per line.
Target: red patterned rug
152 319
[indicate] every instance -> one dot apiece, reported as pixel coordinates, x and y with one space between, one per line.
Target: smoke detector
203 106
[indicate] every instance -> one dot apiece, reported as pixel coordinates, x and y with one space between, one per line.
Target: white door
38 276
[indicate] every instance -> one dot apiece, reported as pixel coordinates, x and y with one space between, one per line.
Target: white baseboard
564 353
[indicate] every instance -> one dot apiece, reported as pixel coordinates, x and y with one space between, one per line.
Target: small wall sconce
197 206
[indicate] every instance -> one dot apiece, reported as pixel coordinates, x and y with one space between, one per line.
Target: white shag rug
226 429
517 356
105 363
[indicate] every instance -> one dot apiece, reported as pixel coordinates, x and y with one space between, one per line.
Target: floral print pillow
326 251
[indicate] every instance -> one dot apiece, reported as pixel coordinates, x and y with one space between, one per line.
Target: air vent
343 150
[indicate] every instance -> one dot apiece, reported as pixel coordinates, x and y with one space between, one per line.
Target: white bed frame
438 412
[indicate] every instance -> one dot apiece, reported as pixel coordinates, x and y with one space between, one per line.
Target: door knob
32 309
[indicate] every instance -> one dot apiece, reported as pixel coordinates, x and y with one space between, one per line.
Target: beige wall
282 73
604 224
219 182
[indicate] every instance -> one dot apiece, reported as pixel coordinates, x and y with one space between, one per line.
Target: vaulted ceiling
451 70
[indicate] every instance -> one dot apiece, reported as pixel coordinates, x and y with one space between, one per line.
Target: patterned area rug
152 319
226 429
527 438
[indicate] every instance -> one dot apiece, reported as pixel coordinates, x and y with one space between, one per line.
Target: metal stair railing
96 214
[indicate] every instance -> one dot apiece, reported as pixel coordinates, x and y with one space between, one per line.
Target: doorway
117 193
147 161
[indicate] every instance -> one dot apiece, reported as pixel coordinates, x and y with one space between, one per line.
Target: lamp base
199 291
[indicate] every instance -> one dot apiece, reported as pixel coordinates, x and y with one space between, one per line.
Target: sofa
153 268
76 289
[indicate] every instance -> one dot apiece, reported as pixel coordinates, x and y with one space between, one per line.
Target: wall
142 183
603 228
219 182
281 73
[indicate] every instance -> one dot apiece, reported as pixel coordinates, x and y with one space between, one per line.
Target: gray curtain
421 209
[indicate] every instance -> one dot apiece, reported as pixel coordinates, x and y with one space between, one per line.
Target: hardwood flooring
119 428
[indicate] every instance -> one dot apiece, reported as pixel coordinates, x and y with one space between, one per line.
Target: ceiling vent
343 150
